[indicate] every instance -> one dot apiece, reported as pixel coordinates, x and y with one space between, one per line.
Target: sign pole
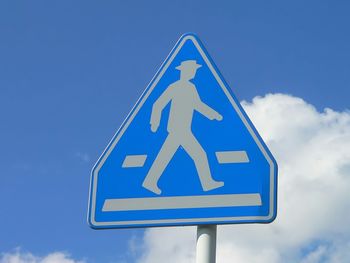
206 244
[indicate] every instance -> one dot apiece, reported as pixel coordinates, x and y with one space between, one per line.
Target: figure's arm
207 111
158 107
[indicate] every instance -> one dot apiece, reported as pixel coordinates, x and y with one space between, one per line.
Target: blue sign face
187 154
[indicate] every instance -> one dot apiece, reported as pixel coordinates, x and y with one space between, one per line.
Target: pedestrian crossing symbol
187 154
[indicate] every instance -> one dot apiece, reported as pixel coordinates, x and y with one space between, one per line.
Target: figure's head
188 69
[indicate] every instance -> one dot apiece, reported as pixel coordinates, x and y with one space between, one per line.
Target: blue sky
70 71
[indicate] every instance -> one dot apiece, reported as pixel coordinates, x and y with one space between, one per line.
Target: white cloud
313 153
21 257
82 156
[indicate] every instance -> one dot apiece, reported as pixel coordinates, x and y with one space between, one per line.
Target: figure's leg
163 158
199 156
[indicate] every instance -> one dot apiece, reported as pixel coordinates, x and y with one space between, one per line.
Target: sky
70 71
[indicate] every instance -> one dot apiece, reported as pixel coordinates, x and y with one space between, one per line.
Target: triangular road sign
187 154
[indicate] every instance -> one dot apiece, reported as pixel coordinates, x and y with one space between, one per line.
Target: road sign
187 154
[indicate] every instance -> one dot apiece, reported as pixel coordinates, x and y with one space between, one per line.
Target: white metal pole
206 244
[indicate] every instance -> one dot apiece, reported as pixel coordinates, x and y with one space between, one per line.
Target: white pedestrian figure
184 100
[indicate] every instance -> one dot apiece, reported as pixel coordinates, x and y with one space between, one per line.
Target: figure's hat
188 64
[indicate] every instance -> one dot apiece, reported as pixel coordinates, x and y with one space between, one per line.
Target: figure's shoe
152 187
213 185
